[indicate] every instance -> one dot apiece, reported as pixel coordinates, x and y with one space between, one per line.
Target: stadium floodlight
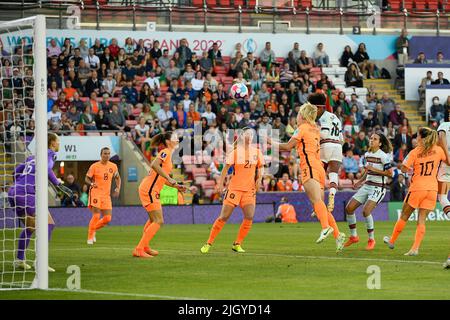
24 97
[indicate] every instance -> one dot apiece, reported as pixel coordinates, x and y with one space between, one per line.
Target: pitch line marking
138 295
270 255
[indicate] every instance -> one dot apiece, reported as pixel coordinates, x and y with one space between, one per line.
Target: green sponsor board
395 210
168 195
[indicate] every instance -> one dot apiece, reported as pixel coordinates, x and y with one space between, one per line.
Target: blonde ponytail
429 139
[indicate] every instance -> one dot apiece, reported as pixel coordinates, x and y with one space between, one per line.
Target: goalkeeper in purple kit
22 196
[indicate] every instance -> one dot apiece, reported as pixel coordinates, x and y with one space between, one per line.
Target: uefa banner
395 210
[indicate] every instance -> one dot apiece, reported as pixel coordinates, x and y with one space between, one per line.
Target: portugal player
150 188
331 141
424 161
247 162
22 195
307 140
372 187
99 177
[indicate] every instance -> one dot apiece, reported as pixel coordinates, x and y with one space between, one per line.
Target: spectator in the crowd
101 120
440 79
92 84
180 115
73 115
398 189
346 57
267 55
117 120
284 184
205 63
163 61
72 185
142 130
54 118
352 76
265 128
208 114
351 166
362 58
403 138
387 102
380 115
361 143
278 125
320 57
53 92
215 55
84 50
401 153
421 59
66 124
370 122
87 119
437 110
424 83
396 116
440 58
402 46
92 60
130 93
184 51
304 63
295 51
53 50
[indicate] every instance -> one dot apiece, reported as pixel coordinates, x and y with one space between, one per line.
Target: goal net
23 107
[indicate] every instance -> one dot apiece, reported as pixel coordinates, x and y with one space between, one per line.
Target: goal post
23 98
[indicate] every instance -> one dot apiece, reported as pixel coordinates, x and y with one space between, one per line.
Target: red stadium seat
420 5
409 4
433 5
395 5
251 3
224 3
197 3
306 4
211 3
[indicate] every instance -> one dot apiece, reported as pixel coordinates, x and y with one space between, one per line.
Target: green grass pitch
282 262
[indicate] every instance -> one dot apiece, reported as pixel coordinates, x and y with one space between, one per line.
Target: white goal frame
40 111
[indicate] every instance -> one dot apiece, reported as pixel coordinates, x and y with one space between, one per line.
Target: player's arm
361 181
287 146
156 165
118 184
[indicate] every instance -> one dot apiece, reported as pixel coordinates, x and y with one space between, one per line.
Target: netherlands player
307 141
99 177
331 141
424 161
444 173
22 195
247 162
150 188
372 187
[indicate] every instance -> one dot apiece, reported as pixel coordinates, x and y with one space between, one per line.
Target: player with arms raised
307 140
150 189
99 177
372 186
424 162
22 197
247 161
331 141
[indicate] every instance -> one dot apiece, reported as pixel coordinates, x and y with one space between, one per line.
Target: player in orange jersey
99 177
150 188
247 161
307 140
286 212
424 161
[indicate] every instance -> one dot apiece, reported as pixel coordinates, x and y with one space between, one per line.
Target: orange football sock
94 220
148 235
322 213
398 228
245 227
420 233
147 224
333 224
103 221
217 226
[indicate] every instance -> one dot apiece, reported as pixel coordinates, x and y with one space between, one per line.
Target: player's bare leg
143 249
225 214
351 220
249 212
333 170
407 210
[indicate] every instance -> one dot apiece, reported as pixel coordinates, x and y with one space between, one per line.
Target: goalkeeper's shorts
99 201
23 203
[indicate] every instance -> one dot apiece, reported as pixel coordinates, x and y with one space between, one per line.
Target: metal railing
170 15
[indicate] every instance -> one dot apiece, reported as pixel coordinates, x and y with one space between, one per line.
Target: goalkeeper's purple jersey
25 174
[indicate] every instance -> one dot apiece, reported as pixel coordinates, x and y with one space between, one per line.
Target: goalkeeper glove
66 191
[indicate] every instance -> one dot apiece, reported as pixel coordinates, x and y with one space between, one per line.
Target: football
238 91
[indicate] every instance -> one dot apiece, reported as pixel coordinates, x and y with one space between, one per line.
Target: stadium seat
211 3
238 3
395 5
93 134
433 5
409 5
306 4
420 5
197 3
